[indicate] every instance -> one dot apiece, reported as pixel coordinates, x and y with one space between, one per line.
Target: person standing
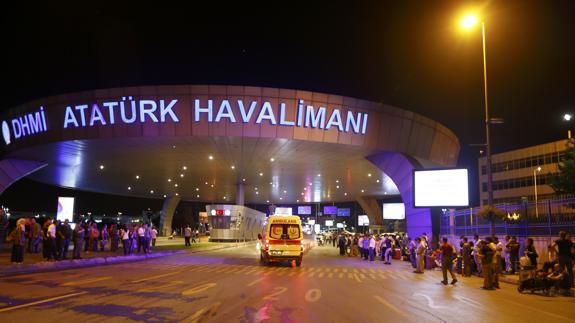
115 237
476 252
354 249
371 247
341 244
366 247
194 235
18 239
67 236
564 247
505 254
360 246
412 253
513 250
153 235
45 247
51 243
187 236
125 234
420 255
496 266
486 253
447 253
133 239
78 237
35 235
531 253
466 255
104 238
60 239
87 236
389 249
94 235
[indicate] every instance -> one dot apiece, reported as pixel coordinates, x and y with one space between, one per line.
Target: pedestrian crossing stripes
356 274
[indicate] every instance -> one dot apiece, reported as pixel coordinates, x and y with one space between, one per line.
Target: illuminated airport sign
129 110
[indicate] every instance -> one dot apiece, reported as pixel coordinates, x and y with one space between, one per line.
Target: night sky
411 54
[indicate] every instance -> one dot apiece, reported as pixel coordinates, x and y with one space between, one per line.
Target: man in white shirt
360 246
371 247
153 236
51 235
142 238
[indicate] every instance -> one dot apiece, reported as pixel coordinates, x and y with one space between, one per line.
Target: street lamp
535 171
468 22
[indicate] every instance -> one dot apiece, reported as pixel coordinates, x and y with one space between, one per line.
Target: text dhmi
29 124
306 115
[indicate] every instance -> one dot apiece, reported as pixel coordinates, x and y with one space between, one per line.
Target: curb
90 262
80 263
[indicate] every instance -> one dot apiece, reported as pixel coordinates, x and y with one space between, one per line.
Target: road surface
230 285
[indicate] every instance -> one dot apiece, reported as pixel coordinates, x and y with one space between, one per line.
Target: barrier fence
546 218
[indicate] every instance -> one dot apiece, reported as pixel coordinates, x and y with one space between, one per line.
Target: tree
491 213
563 182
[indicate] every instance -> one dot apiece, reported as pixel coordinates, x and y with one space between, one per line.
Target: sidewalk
164 247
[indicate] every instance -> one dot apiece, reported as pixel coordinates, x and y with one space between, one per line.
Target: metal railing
523 219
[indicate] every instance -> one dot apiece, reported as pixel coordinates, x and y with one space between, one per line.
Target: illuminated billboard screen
393 211
283 211
330 210
304 210
343 212
441 188
362 220
329 223
65 209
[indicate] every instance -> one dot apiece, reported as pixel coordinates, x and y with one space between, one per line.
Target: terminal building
227 145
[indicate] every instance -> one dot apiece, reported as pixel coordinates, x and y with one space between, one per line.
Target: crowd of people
488 257
54 238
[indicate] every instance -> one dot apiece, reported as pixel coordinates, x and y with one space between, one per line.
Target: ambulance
282 240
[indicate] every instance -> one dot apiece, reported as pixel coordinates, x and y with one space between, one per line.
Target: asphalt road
231 286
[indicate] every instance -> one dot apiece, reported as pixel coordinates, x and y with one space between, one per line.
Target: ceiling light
384 193
224 197
377 181
261 174
212 185
101 166
285 191
164 195
233 167
337 180
257 193
255 188
281 198
345 194
197 196
302 194
272 159
369 175
177 194
243 179
137 176
318 175
362 191
174 146
169 179
297 201
337 186
197 189
176 185
271 183
305 189
184 167
151 191
129 188
206 183
211 157
181 175
267 201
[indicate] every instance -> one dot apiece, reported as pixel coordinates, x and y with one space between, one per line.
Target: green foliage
564 181
491 212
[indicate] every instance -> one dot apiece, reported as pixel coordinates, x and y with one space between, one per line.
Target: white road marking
7 309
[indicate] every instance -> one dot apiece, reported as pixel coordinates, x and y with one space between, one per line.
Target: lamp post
535 171
468 22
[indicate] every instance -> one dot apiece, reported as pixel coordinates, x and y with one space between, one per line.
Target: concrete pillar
400 168
167 215
372 209
240 194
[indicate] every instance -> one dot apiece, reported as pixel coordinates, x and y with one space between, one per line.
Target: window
284 231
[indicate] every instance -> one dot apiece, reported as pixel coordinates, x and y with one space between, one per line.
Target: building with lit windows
515 173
